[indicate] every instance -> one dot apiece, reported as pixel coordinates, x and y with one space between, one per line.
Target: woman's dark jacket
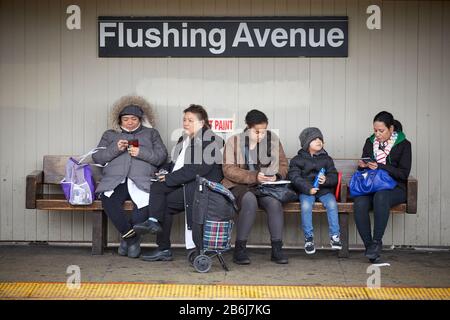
203 157
398 162
304 167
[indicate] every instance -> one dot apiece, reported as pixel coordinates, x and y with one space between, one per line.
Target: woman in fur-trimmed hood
131 153
148 118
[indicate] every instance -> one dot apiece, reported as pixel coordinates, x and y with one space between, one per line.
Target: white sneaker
336 242
309 246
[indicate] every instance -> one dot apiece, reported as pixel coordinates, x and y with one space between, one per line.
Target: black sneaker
149 226
335 242
158 255
309 246
375 261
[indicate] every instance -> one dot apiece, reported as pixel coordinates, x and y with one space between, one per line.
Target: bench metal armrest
411 195
33 188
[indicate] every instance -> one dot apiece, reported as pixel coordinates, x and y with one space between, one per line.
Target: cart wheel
191 256
202 263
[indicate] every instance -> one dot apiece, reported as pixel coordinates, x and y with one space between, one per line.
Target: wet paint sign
222 124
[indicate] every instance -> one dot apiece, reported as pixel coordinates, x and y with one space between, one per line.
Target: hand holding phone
122 145
162 172
368 163
367 160
133 143
265 178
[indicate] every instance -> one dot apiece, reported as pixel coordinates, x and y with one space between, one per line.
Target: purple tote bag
78 184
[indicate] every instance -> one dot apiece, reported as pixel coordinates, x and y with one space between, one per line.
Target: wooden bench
51 175
54 169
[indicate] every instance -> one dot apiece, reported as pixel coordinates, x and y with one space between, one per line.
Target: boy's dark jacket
303 169
398 163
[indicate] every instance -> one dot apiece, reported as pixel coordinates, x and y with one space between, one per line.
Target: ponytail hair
398 126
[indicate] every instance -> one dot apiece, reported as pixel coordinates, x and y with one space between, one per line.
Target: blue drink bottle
316 180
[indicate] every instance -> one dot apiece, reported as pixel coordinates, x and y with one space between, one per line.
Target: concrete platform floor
49 263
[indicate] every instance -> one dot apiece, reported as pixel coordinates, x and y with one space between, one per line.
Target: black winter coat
194 164
303 169
398 163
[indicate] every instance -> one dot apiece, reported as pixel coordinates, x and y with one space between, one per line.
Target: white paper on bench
277 182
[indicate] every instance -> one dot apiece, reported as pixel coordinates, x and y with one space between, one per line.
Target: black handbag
282 192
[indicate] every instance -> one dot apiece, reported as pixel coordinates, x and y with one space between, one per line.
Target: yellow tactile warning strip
108 291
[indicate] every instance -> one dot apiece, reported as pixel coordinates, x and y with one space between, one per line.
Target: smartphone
133 143
161 172
266 175
367 160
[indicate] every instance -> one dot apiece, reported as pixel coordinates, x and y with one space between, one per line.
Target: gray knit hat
308 135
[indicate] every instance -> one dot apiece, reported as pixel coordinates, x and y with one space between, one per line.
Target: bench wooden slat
343 207
59 202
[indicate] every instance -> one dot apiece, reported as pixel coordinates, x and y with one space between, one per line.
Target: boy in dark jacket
303 169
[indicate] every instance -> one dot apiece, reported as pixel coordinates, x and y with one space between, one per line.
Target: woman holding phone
131 153
388 149
250 158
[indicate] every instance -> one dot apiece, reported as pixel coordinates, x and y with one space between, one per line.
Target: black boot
158 255
147 226
240 255
373 251
134 247
277 253
123 248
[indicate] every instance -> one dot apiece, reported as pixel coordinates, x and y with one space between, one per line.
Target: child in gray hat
303 170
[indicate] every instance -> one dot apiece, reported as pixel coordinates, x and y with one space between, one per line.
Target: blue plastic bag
370 181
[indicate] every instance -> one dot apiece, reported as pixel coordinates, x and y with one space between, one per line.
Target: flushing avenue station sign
223 37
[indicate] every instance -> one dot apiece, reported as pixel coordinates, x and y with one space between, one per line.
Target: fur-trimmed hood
148 118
